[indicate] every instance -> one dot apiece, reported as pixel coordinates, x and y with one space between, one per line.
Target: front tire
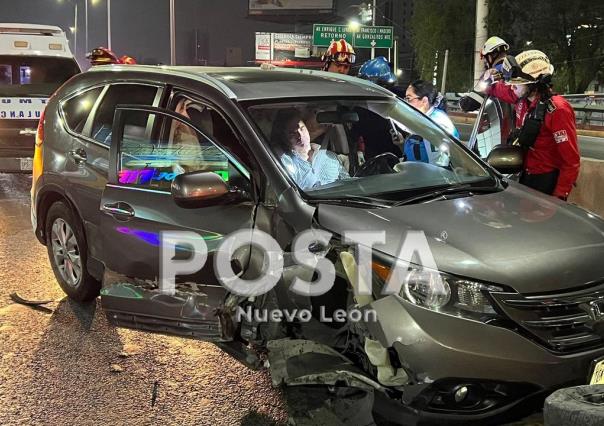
68 253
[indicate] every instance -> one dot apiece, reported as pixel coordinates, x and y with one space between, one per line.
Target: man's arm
562 124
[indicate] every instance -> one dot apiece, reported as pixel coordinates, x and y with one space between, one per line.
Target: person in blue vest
424 96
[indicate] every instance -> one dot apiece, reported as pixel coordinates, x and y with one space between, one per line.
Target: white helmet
492 45
529 66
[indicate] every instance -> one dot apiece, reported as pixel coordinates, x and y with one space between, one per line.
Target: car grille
561 321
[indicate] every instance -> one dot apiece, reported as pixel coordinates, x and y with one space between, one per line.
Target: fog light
460 394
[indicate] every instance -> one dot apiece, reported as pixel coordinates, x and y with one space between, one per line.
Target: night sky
141 28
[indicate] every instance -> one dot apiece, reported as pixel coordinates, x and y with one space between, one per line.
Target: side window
118 94
213 125
174 148
77 109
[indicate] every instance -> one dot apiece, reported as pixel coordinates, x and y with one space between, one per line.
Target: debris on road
116 368
34 304
155 393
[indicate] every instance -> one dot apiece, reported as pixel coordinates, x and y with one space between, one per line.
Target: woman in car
306 163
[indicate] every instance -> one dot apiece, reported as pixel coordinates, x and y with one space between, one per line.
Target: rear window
20 74
77 109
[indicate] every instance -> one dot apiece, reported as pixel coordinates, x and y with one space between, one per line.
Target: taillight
38 163
40 132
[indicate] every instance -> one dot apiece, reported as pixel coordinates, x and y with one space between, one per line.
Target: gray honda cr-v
507 307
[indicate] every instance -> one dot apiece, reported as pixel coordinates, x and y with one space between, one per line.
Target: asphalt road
57 366
64 364
590 147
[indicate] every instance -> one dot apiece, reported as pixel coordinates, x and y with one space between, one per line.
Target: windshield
26 75
384 149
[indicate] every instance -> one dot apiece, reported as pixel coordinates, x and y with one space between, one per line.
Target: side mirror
201 189
506 159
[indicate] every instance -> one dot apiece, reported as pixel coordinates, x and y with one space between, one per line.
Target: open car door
150 147
492 126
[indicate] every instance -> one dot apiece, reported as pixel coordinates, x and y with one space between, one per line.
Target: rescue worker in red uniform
545 124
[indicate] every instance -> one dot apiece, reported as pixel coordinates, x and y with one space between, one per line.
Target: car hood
516 237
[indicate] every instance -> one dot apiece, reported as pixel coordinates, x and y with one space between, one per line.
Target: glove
471 102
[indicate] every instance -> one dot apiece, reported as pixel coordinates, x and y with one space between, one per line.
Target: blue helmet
378 71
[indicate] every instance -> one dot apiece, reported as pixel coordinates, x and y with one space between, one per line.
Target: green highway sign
378 37
324 34
365 36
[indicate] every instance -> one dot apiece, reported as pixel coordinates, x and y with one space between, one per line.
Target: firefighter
339 57
104 56
493 53
545 122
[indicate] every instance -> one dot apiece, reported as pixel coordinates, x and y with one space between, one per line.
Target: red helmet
102 56
339 51
128 60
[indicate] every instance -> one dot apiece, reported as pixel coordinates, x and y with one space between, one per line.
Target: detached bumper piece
324 387
189 315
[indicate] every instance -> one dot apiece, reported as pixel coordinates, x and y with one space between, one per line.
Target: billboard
287 49
277 7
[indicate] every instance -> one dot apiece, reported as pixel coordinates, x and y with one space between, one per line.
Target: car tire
579 405
68 253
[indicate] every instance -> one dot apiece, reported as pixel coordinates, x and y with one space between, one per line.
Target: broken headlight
442 292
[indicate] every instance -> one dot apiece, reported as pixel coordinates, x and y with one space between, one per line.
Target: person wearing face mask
308 164
545 124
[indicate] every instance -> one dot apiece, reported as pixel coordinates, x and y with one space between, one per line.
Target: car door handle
79 156
118 209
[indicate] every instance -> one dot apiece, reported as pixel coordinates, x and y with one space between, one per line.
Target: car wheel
67 252
579 405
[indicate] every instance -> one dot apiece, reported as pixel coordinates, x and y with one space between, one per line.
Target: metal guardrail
589 108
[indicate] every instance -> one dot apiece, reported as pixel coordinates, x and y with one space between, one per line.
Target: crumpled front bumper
434 348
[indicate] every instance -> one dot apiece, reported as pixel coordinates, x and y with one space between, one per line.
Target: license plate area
26 164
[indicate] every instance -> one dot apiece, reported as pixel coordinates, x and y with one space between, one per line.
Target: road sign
324 34
378 37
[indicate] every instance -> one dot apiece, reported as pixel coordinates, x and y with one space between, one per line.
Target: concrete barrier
589 192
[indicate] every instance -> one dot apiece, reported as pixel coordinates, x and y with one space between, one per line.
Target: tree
439 25
570 32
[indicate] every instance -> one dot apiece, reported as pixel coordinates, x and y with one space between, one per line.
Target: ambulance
34 61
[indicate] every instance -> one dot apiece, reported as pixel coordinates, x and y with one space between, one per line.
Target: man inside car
307 163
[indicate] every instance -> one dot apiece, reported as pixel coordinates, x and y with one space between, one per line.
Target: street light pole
172 34
75 31
86 23
109 24
373 25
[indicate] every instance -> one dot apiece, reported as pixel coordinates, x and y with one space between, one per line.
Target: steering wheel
380 164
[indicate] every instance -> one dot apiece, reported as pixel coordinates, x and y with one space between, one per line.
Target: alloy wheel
66 252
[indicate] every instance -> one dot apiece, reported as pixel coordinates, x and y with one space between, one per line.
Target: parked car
511 313
34 61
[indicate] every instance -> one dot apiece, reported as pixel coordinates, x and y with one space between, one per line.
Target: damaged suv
509 309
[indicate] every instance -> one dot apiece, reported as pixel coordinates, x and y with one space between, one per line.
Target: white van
34 61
